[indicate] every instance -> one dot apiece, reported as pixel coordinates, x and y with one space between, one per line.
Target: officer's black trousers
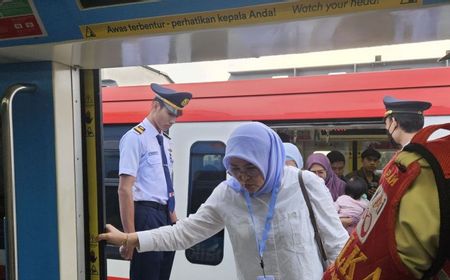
150 265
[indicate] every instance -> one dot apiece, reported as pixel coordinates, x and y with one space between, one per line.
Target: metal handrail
8 169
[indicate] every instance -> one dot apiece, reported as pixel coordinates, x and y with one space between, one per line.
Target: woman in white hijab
263 210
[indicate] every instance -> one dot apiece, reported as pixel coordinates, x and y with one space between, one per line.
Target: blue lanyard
262 244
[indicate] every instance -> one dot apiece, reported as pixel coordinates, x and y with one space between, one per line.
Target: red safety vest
371 251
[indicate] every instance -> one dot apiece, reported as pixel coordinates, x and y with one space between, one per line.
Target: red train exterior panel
346 96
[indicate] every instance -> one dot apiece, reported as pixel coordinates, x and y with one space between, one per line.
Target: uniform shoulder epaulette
166 135
139 129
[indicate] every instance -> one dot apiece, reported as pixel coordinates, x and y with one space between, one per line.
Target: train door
30 154
43 235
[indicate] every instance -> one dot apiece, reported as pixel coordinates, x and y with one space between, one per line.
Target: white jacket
291 252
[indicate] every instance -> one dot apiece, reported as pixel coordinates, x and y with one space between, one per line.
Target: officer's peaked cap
175 101
394 105
371 152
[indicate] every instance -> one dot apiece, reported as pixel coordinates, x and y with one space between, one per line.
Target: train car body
318 113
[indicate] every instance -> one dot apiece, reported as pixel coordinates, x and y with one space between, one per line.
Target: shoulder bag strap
313 219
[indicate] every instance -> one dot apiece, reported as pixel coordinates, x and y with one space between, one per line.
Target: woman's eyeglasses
251 171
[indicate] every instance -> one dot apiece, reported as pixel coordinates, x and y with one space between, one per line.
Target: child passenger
353 203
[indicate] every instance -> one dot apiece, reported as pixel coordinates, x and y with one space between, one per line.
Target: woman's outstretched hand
126 241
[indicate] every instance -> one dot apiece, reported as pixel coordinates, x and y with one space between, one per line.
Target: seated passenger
353 203
320 165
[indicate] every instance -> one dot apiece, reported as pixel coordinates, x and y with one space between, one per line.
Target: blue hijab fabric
293 153
261 146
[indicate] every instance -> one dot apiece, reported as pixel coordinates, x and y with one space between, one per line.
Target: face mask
389 135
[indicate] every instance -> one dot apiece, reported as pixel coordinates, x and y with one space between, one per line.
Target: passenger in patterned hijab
259 146
320 164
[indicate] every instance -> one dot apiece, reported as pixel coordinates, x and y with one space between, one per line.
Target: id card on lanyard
261 244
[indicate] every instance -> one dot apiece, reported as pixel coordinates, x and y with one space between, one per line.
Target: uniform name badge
267 277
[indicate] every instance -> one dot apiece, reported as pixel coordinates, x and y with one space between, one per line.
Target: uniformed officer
398 236
403 118
146 195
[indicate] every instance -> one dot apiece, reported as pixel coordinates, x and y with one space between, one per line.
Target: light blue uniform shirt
140 156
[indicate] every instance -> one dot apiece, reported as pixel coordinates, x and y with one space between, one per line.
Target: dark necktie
170 192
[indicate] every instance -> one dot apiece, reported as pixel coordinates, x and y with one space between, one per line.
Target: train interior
350 140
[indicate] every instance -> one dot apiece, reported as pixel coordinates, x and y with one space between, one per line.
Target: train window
350 140
206 172
111 138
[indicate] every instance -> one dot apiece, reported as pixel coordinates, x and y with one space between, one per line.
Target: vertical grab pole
9 180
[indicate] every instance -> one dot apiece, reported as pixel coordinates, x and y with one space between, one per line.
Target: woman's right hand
125 253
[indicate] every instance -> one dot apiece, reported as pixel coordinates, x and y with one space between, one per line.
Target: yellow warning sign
88 33
240 16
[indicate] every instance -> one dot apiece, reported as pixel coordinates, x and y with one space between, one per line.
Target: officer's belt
152 204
